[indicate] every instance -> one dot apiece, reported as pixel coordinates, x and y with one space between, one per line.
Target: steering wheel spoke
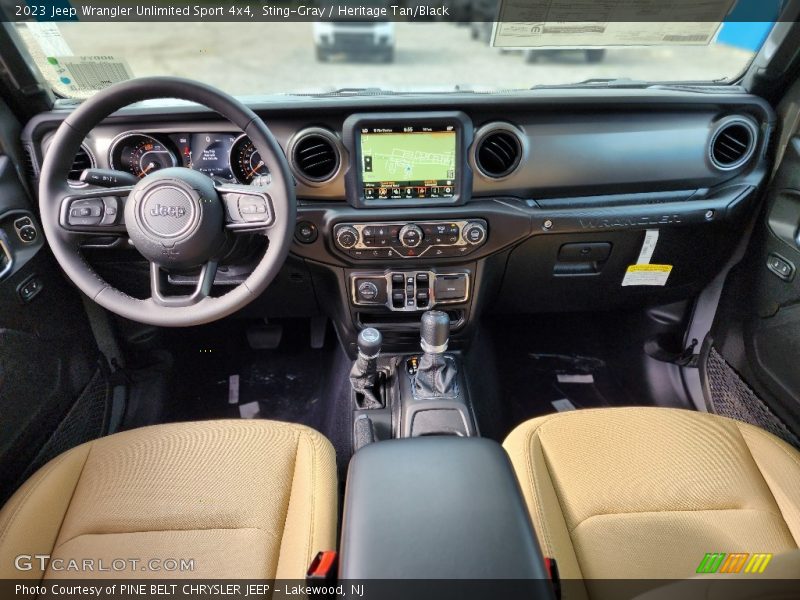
202 291
248 209
96 211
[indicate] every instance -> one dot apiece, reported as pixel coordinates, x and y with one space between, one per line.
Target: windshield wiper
356 91
611 82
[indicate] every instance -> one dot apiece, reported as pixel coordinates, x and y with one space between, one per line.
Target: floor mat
542 383
552 363
732 397
218 375
231 380
264 384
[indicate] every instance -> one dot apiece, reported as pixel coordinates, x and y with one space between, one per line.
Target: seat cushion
241 499
647 492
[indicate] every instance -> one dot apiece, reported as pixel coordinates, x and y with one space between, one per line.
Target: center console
426 499
439 508
410 395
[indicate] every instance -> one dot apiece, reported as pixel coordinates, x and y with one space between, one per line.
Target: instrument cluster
226 156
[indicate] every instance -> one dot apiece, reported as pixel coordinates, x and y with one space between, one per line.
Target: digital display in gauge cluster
226 156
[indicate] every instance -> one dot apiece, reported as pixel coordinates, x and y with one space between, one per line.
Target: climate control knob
474 233
347 237
410 236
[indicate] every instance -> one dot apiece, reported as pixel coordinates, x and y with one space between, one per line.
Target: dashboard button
450 287
306 232
398 298
474 233
367 291
347 237
411 236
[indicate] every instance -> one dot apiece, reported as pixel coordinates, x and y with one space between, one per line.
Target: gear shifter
364 376
436 373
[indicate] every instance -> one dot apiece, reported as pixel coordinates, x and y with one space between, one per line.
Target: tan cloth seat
242 499
646 492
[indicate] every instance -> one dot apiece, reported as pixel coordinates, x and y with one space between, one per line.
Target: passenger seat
623 493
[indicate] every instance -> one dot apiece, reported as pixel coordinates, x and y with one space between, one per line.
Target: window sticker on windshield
643 273
48 37
88 73
554 23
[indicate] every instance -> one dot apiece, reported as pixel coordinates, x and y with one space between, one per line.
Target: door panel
47 353
757 329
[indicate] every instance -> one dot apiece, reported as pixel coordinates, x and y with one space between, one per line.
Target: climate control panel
393 240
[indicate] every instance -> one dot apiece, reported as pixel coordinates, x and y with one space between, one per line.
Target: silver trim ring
721 126
133 133
338 148
428 349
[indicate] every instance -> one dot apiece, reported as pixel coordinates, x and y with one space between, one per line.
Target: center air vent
315 155
498 152
83 160
732 144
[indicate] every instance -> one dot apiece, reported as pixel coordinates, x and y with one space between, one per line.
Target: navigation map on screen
408 163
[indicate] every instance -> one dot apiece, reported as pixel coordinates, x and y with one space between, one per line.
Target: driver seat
241 499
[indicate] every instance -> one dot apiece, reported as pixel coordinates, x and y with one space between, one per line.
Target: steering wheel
176 218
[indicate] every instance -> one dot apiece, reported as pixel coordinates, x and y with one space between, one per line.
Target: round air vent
732 144
315 155
498 152
83 160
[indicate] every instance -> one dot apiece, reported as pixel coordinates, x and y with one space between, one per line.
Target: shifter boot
364 379
435 377
364 376
436 373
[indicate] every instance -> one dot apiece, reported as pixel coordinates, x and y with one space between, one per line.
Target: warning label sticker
589 23
647 275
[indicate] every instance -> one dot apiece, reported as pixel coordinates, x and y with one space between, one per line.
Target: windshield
302 57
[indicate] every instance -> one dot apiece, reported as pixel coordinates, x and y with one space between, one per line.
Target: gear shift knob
369 342
434 331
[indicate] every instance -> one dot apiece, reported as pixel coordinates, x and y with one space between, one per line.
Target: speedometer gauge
246 162
140 154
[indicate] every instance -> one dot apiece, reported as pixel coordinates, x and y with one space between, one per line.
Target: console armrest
437 508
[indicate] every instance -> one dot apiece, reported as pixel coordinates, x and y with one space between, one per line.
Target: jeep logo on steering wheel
159 210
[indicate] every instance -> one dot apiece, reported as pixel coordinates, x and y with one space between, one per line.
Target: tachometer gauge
246 163
140 154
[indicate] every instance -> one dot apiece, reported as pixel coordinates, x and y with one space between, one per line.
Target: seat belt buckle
552 571
322 574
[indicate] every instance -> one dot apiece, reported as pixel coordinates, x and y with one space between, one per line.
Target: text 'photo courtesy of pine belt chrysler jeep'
430 299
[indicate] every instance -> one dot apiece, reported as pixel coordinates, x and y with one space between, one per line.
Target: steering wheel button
252 208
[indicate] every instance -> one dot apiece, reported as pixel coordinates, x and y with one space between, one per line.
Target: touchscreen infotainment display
408 162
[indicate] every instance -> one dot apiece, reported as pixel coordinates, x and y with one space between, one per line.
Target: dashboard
526 203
